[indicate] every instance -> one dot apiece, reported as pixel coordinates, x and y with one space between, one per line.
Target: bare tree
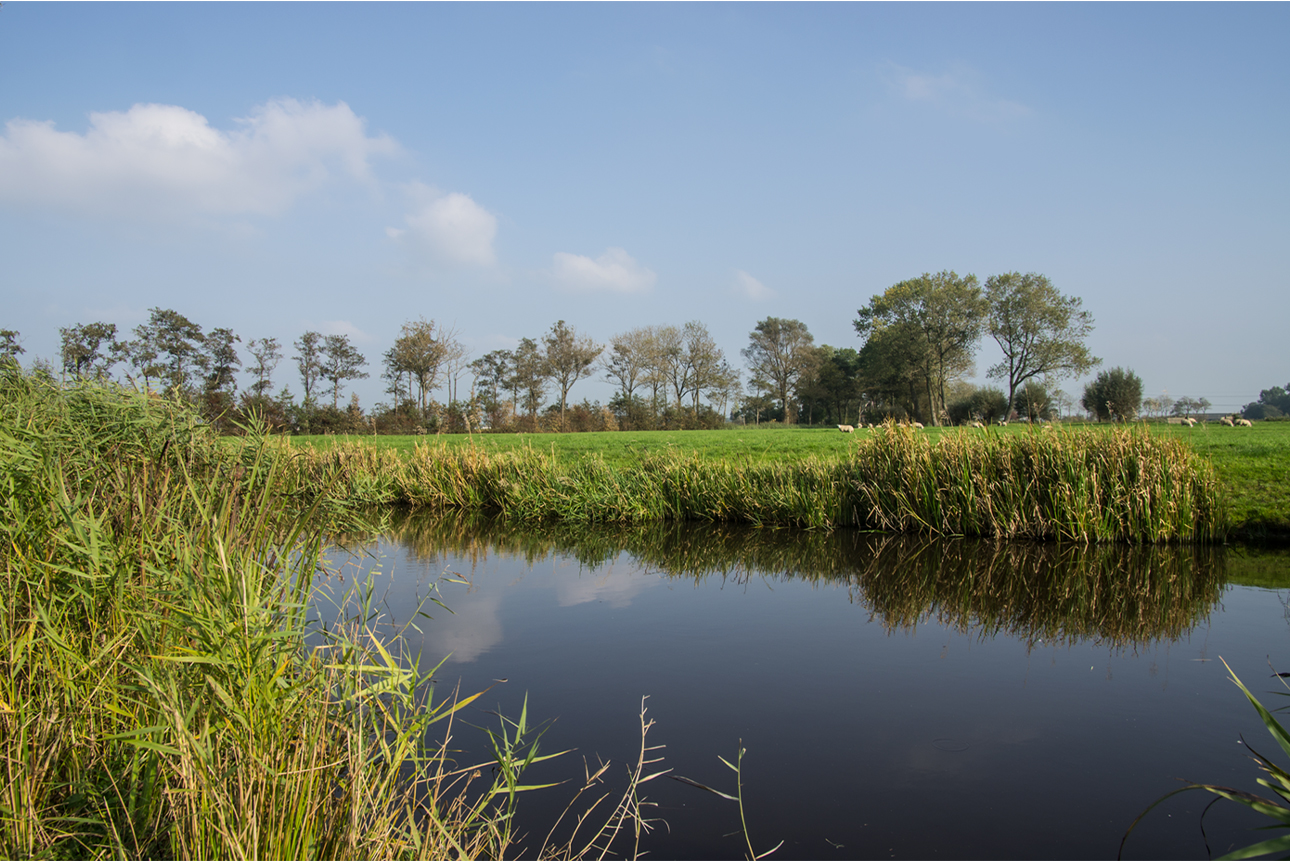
455 361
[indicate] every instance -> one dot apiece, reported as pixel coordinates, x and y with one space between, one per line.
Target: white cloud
615 271
451 228
165 160
750 288
959 91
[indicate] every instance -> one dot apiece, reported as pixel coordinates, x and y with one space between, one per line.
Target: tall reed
162 693
1121 485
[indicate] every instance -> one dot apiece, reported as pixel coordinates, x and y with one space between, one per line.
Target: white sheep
918 425
1189 421
1003 424
1227 420
847 428
977 424
1244 423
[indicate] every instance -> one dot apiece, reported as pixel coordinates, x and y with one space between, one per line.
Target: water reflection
869 676
1117 595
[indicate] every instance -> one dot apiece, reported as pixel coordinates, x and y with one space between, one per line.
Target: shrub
1115 395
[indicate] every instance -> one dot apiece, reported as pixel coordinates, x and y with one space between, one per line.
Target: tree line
918 344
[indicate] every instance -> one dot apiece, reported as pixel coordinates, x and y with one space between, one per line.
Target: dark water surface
896 698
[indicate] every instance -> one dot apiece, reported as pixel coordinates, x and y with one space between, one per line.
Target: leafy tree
941 317
778 352
493 372
890 373
838 382
267 353
1185 406
10 349
169 348
1272 403
220 382
87 350
627 359
420 353
222 361
532 374
986 404
692 361
1040 331
569 358
1033 402
1115 394
309 361
341 362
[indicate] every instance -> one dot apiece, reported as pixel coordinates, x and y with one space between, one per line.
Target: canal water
896 698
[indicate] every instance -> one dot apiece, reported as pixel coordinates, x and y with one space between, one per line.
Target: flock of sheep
1230 421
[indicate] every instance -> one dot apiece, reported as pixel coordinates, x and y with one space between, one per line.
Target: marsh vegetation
170 687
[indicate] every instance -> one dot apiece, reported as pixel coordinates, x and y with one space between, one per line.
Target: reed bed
1124 485
163 693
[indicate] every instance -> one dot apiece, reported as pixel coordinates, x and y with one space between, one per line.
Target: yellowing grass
1080 485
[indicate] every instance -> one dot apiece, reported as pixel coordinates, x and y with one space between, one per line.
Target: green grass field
1253 463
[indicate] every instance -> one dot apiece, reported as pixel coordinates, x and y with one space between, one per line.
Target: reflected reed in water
1119 595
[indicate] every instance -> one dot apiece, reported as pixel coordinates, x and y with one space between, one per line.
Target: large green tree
940 317
1040 331
778 353
1272 403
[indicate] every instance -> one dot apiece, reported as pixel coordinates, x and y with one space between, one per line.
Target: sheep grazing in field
1189 421
847 428
977 424
918 425
1227 420
1244 423
1003 424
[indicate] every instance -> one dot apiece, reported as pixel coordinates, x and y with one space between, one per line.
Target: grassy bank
162 691
1252 464
1083 485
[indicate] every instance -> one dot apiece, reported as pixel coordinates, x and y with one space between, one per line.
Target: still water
896 698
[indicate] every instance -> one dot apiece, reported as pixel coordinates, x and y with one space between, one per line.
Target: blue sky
496 167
